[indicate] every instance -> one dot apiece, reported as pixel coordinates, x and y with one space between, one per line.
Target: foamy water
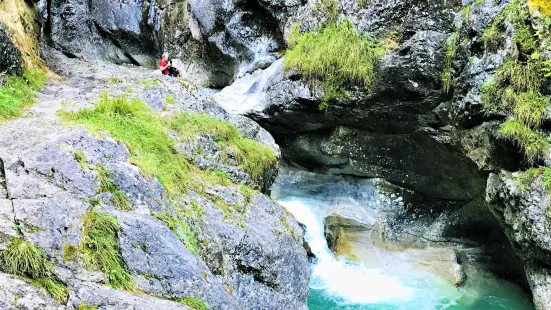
340 284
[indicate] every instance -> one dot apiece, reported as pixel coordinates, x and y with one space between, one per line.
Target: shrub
337 55
19 92
102 250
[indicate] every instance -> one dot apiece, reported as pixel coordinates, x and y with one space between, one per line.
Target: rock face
248 251
10 56
523 213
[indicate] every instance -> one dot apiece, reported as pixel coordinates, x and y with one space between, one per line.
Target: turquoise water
340 284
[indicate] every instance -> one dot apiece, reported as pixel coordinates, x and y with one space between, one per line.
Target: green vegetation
525 179
80 158
255 158
54 288
148 83
69 252
337 55
83 306
25 259
516 85
515 13
194 303
178 225
328 8
170 99
120 201
288 227
451 47
19 93
133 122
101 248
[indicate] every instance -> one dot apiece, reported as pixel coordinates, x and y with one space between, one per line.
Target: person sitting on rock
167 69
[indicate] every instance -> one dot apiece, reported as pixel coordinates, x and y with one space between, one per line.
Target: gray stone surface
47 189
16 294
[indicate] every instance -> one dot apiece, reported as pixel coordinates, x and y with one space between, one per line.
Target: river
340 284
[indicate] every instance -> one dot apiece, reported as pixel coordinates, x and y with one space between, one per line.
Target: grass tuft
180 228
533 144
194 303
54 288
19 93
24 259
337 55
102 250
105 177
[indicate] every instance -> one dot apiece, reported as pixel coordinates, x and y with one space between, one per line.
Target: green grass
84 306
101 248
194 303
54 288
254 157
22 258
25 259
178 225
148 83
19 93
534 145
515 12
525 179
170 99
132 121
337 55
450 50
516 85
105 177
328 8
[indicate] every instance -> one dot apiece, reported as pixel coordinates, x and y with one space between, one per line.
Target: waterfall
354 283
340 284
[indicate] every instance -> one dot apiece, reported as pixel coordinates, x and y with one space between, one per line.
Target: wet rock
10 56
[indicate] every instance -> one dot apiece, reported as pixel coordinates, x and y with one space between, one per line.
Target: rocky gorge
124 189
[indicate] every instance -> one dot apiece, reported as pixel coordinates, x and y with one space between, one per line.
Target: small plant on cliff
194 303
54 288
100 245
178 225
337 55
25 259
120 201
19 93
